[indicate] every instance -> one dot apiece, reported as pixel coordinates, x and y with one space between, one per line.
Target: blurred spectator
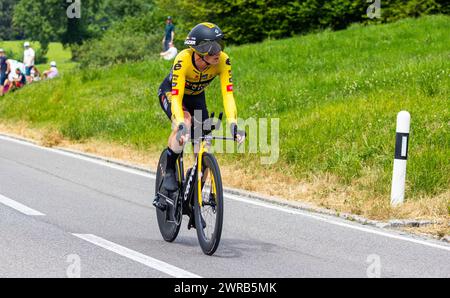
14 64
52 72
35 75
19 80
28 58
171 53
169 33
5 69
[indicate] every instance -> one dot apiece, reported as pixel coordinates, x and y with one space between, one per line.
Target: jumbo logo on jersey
177 66
196 87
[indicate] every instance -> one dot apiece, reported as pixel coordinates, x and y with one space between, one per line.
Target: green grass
56 52
337 95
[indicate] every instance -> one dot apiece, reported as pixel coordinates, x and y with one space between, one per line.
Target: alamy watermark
374 269
74 268
74 9
374 10
262 138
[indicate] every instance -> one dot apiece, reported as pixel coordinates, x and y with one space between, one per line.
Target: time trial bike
199 194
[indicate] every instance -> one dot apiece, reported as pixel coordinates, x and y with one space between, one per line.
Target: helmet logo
209 25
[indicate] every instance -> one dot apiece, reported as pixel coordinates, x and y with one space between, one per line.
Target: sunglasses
210 47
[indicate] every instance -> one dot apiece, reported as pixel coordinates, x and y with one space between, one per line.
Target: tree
399 9
52 20
118 9
245 21
7 31
57 20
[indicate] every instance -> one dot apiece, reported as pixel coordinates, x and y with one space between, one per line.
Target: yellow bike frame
203 149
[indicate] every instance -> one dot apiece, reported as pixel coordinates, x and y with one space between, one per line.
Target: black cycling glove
235 131
182 130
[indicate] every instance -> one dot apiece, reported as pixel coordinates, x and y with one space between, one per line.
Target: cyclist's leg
174 149
202 111
196 105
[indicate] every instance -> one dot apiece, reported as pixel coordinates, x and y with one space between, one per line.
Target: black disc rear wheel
167 219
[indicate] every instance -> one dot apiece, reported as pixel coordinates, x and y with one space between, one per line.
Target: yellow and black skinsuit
183 88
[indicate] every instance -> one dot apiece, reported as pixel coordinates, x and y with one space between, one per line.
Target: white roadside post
401 156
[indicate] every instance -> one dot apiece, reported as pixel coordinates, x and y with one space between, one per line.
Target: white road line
81 157
19 207
137 256
236 198
338 223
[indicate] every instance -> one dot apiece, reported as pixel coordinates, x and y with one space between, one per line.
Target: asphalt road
62 215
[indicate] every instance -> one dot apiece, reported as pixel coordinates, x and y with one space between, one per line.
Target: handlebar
206 133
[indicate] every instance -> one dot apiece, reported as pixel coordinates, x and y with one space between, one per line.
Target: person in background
28 58
171 53
14 64
169 34
19 81
35 75
5 69
52 72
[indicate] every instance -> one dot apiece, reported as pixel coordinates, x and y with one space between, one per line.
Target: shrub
115 47
41 58
400 9
12 55
133 39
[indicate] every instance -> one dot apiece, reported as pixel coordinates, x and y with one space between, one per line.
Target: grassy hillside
337 95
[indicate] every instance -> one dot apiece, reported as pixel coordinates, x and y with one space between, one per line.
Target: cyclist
182 91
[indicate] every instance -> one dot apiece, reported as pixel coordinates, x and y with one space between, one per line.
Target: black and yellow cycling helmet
205 39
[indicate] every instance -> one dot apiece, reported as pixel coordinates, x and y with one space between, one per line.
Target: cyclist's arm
226 83
178 83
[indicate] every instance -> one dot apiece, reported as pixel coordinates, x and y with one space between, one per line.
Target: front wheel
209 212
